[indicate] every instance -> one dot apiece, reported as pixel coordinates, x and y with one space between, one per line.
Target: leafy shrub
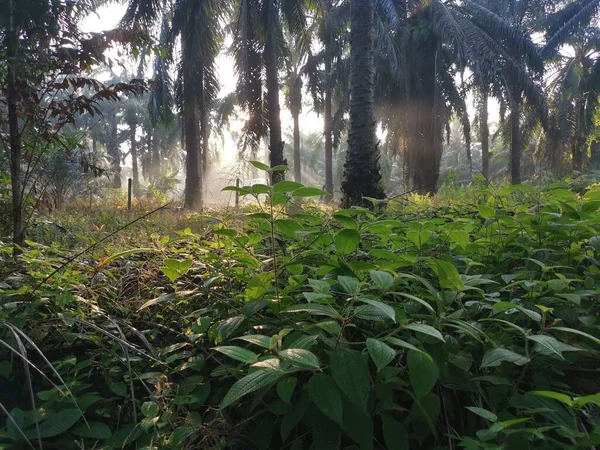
472 324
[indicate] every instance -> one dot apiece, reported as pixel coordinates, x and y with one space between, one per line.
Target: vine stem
273 249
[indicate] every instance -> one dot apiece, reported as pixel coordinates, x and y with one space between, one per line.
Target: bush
472 324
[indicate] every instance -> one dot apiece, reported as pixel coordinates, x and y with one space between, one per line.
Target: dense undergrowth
466 321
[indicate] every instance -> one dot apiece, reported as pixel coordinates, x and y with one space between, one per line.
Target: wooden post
129 192
237 194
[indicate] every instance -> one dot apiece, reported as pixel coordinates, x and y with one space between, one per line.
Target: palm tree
258 46
362 177
199 25
300 64
574 88
443 38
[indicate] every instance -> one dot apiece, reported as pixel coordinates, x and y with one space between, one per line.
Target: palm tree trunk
13 129
113 149
297 164
134 160
362 176
156 169
191 132
515 143
578 142
328 125
484 129
274 109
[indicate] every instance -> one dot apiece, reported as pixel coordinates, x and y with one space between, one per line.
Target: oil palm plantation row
406 66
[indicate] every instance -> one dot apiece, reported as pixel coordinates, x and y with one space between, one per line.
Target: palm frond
575 15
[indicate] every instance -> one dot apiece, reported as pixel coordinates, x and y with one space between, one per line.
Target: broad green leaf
97 430
250 383
580 402
555 395
580 333
383 280
447 274
317 310
150 409
288 227
346 241
347 222
395 434
56 424
326 396
133 251
285 389
258 189
460 237
548 345
256 339
349 285
300 358
423 372
487 415
494 357
286 186
315 296
118 388
238 353
487 212
351 373
403 344
260 166
381 353
387 310
425 329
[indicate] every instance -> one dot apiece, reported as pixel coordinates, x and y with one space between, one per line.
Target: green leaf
256 339
487 415
286 186
260 166
580 333
250 383
347 222
288 227
258 189
150 409
300 358
118 388
317 310
97 430
555 395
349 285
460 237
395 434
312 296
494 357
580 402
423 372
448 275
351 373
326 396
56 424
285 389
487 212
385 309
346 241
425 329
238 353
548 345
403 344
381 353
309 192
383 280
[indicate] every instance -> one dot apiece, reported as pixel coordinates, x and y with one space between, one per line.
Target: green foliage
468 325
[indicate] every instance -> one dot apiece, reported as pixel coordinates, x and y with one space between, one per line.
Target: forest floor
465 321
